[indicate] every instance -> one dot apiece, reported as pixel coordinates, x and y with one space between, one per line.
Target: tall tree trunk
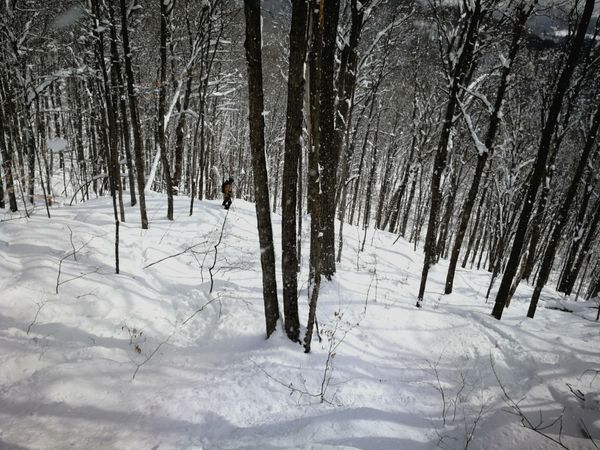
523 14
113 158
411 196
370 183
179 131
561 87
399 195
460 72
328 149
562 218
475 228
138 143
536 235
116 68
252 45
577 232
6 153
314 197
314 171
569 277
166 7
293 150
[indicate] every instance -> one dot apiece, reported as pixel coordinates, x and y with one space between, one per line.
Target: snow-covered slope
149 359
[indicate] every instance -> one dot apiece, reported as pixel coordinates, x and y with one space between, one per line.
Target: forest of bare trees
468 128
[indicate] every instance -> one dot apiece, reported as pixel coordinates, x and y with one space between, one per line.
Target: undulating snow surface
212 381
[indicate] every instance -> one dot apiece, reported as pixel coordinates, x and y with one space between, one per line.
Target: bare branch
187 249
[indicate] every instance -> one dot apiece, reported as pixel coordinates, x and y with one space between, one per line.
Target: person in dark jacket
227 190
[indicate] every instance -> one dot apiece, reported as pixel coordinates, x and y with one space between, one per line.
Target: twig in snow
216 246
374 277
438 386
334 343
293 389
187 249
60 263
538 427
596 372
40 305
72 245
586 432
149 357
81 275
201 309
16 218
450 405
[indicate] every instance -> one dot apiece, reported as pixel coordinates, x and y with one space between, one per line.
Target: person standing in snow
227 190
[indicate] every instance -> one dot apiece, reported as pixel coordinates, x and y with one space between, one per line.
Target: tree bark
314 196
166 7
7 163
252 46
116 68
138 144
328 150
292 152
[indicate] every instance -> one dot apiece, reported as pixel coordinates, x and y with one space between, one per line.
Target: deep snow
212 381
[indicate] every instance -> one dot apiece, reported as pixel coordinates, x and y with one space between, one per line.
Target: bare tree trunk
116 63
252 45
399 195
138 144
475 229
293 150
7 163
166 8
459 74
562 218
409 201
113 167
370 183
523 14
328 148
314 173
571 276
314 197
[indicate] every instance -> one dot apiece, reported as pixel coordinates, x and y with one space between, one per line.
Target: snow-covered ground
149 359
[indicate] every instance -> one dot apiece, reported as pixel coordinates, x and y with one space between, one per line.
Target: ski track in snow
216 383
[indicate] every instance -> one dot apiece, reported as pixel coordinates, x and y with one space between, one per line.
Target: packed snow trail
205 377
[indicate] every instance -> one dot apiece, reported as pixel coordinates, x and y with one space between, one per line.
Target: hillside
149 359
